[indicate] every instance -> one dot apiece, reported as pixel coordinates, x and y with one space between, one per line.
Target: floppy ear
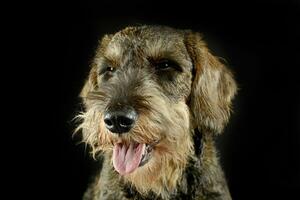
91 82
213 87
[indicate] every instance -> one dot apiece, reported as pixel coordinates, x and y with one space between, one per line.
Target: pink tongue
127 158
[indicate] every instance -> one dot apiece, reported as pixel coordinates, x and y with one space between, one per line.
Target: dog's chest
188 188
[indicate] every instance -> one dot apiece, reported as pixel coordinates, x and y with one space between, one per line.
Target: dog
154 101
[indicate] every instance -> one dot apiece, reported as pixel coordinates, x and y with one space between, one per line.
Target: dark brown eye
163 65
167 65
110 69
106 69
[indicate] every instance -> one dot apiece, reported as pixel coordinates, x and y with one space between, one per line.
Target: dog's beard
169 153
153 154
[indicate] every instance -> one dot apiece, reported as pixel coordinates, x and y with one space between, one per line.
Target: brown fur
173 105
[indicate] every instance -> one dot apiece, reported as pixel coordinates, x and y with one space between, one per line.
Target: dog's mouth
128 157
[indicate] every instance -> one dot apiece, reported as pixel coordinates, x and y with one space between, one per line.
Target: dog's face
148 89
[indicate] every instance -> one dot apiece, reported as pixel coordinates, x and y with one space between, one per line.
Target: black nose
121 120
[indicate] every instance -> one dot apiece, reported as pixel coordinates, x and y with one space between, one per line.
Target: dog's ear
213 87
91 82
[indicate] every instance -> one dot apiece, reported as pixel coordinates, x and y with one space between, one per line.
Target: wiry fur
173 106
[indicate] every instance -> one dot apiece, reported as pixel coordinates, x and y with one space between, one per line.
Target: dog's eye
107 69
163 65
167 65
110 69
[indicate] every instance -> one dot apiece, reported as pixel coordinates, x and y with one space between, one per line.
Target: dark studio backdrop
260 148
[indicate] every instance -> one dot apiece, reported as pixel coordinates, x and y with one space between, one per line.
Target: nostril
108 122
125 121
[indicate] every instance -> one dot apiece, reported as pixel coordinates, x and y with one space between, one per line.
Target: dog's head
148 89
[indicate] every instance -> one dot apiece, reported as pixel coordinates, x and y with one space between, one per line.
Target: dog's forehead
151 41
148 34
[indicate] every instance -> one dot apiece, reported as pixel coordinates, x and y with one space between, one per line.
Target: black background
260 149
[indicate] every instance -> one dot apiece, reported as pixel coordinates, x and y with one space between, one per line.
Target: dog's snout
121 120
